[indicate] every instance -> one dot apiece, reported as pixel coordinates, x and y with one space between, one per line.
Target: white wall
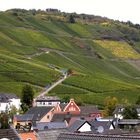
4 106
47 103
16 103
85 128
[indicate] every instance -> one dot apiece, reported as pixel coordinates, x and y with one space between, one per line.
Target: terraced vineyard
103 54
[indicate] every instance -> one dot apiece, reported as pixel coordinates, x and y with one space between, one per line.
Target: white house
47 101
9 100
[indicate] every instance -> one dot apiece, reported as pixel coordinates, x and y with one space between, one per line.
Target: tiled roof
76 125
63 105
48 98
86 110
25 117
129 121
49 125
9 134
50 134
60 117
73 119
28 135
104 124
5 98
38 112
85 136
9 96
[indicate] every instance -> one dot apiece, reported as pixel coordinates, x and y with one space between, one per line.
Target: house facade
71 108
118 112
9 100
47 101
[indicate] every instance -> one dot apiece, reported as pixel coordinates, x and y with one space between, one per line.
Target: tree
71 19
130 112
4 121
110 105
27 97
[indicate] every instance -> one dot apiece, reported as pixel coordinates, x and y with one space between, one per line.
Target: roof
105 124
129 121
9 134
25 117
85 136
39 112
77 125
5 98
86 110
27 135
9 96
50 134
47 98
63 105
60 117
73 119
49 125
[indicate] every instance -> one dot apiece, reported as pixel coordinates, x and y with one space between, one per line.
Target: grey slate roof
48 98
86 110
50 134
5 98
85 136
77 125
105 124
38 112
9 134
59 117
129 121
25 117
63 105
49 125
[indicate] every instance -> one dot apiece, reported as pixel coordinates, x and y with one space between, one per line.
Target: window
48 117
50 103
28 139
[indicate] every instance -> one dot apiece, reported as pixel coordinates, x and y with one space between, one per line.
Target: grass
100 65
119 49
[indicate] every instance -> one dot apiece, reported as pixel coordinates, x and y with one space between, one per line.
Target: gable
85 127
72 107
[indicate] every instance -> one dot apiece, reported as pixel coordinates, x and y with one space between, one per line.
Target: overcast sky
116 9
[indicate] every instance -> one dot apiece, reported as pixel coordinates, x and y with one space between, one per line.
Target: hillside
104 55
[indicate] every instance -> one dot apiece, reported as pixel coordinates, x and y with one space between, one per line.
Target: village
51 119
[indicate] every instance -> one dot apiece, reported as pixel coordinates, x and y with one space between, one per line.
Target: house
91 136
41 114
9 100
41 126
91 111
22 120
47 101
118 112
129 124
80 126
61 117
75 118
101 126
9 134
29 136
33 115
70 107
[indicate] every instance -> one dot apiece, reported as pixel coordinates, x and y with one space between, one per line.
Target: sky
122 10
